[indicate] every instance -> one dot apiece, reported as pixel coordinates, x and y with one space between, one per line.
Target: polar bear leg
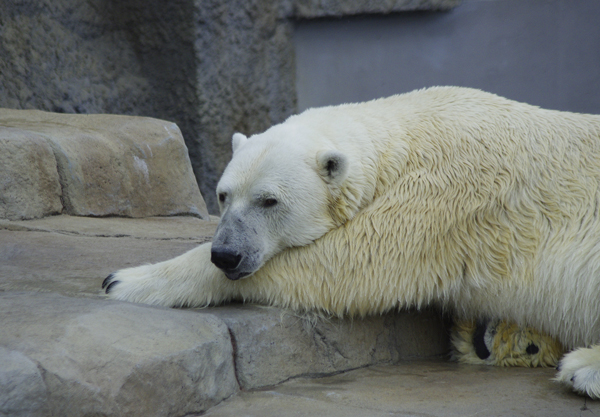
503 343
581 370
187 280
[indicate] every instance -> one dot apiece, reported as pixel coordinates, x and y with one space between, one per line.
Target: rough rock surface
322 8
213 67
416 388
22 388
272 345
72 255
94 357
72 352
97 165
29 182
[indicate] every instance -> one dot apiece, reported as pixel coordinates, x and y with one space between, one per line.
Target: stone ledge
77 356
167 228
273 345
94 165
75 264
97 357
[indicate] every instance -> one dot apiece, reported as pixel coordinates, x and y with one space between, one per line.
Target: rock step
94 165
95 357
72 356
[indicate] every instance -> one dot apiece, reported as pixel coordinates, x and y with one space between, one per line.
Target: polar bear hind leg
581 370
503 343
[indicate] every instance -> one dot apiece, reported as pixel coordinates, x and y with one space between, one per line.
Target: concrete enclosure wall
543 52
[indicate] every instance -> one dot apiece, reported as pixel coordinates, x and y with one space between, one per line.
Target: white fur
449 196
237 140
581 369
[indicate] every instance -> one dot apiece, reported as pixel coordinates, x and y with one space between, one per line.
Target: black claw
110 286
479 340
107 280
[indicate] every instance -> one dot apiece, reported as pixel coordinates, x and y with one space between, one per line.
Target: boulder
106 165
72 357
22 388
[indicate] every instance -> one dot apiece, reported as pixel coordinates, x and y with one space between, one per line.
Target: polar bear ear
237 140
332 166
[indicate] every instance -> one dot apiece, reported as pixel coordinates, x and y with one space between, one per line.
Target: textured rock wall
245 79
69 56
213 67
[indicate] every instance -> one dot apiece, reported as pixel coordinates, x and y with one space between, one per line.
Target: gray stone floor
414 388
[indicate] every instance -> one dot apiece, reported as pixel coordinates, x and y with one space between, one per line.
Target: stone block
111 165
273 345
107 358
29 183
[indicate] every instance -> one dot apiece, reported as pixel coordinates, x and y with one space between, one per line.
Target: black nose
225 259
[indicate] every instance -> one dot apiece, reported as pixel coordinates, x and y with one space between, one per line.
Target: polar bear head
279 190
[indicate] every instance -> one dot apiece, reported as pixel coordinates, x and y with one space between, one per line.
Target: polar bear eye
269 202
222 197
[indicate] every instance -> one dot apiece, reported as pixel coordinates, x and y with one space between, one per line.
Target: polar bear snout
233 263
237 247
225 259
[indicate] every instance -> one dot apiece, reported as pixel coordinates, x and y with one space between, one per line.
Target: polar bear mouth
235 275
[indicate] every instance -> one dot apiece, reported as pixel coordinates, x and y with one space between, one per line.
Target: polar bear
447 196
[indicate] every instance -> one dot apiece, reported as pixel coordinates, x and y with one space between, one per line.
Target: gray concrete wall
544 52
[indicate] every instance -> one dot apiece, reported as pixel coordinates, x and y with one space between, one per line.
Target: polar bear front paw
143 284
189 280
581 370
